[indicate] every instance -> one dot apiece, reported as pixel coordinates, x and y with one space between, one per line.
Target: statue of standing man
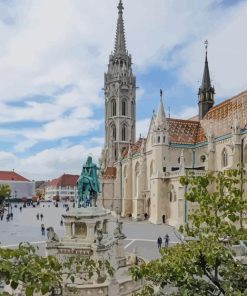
88 184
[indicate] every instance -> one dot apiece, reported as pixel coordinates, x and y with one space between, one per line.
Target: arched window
132 110
164 139
158 139
170 196
245 154
114 133
151 168
124 133
124 107
137 171
113 108
224 158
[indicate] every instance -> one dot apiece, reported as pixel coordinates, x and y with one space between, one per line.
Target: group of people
166 240
41 216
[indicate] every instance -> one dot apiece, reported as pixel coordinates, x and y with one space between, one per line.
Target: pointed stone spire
120 45
206 82
206 91
160 120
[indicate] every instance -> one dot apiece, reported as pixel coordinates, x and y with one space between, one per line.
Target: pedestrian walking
42 229
61 222
37 216
167 239
159 242
41 216
20 208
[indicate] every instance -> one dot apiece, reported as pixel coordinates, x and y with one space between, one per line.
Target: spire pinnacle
120 44
206 82
206 91
160 120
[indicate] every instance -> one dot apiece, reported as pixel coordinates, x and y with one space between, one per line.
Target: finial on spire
120 7
206 48
161 93
120 46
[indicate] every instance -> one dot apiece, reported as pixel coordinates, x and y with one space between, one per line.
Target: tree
204 265
5 192
23 268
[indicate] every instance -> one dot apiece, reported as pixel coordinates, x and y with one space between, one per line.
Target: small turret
160 124
206 91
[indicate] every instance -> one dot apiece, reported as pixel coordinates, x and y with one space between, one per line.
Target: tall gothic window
137 172
132 109
245 154
224 158
113 108
124 107
114 133
124 133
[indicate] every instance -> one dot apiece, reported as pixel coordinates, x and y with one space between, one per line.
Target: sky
54 53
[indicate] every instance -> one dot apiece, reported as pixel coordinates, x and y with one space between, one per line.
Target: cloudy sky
54 53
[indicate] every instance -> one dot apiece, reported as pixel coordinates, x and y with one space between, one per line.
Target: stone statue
118 231
51 235
88 184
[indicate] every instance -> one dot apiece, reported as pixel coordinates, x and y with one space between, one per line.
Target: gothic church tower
206 91
120 98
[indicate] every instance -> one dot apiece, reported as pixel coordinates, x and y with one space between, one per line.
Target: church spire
120 45
206 83
206 91
160 120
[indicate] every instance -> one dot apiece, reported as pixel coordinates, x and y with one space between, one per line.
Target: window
158 139
123 133
113 108
132 110
151 168
245 154
124 107
137 172
224 158
164 169
203 158
164 139
114 134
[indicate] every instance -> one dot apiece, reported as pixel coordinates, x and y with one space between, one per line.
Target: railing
179 173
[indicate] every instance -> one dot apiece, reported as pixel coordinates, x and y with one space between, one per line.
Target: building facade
63 188
21 187
144 178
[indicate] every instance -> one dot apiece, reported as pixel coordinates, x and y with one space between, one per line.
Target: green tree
205 264
5 192
22 267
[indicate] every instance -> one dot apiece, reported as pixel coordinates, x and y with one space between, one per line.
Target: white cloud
50 163
50 46
185 113
142 127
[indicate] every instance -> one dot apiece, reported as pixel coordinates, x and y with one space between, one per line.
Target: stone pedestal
87 236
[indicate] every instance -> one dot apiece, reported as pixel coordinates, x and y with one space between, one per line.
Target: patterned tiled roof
109 173
64 180
12 176
134 148
220 118
185 131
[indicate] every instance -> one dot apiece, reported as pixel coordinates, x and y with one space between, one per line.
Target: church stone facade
141 178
